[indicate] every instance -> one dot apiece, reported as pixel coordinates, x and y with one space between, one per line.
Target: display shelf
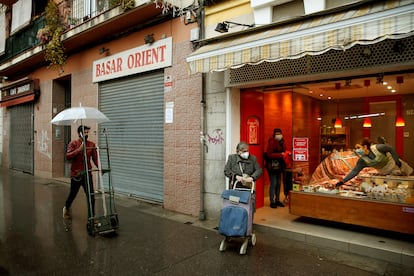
333 139
398 217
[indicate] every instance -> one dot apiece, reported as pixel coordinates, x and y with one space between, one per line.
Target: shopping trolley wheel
114 221
223 245
243 248
253 239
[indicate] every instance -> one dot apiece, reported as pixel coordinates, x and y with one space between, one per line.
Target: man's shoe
66 213
273 205
280 204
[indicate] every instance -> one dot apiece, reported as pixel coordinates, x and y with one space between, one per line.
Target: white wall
222 136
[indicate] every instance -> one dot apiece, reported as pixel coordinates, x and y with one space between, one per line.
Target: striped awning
340 31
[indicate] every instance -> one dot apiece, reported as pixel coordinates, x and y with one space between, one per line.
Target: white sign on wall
300 149
140 59
169 112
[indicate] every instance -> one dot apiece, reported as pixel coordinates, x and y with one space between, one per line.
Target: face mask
359 151
244 155
278 137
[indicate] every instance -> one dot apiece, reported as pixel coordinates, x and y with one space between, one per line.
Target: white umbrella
82 115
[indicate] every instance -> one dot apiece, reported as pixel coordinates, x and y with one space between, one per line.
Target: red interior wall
295 114
278 114
274 110
399 131
306 112
251 104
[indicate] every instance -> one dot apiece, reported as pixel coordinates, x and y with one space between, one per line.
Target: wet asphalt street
34 241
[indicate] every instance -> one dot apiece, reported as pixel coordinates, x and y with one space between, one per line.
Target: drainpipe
203 146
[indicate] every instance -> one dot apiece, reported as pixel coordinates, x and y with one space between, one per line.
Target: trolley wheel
243 248
253 239
90 229
223 245
114 222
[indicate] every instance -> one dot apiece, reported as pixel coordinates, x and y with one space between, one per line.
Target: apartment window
85 9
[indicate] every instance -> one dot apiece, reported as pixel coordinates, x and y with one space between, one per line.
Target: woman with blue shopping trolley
239 200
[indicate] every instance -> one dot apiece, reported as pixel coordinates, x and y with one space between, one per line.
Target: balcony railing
82 10
23 40
74 13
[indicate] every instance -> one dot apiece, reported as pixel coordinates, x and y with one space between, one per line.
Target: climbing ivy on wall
55 52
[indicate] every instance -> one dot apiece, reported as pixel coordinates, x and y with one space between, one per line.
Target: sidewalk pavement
382 245
374 252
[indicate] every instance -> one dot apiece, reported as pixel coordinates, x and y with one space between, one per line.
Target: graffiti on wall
42 143
216 137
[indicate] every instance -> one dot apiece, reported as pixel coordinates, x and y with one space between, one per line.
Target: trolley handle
244 189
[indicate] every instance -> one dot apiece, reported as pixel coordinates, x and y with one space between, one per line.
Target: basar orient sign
140 59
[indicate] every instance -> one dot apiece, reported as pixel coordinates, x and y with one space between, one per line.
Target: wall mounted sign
19 92
253 130
300 149
140 59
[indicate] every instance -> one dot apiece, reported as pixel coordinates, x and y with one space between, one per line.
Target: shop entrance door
251 131
61 98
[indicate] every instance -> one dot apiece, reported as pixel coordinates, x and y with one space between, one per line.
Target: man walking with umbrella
78 154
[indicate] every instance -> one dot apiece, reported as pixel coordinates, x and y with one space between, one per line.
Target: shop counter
398 217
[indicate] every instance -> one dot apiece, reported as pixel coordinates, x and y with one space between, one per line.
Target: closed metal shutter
21 137
135 107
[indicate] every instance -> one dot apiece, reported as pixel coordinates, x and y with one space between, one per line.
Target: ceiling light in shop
338 123
354 117
367 122
400 122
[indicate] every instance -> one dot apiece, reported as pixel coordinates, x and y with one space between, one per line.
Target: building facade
126 59
183 82
299 68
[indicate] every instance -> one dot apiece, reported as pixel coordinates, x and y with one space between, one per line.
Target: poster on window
300 149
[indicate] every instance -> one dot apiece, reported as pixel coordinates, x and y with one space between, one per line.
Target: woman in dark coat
242 168
275 166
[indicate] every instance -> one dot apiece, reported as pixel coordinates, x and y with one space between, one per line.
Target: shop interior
333 115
